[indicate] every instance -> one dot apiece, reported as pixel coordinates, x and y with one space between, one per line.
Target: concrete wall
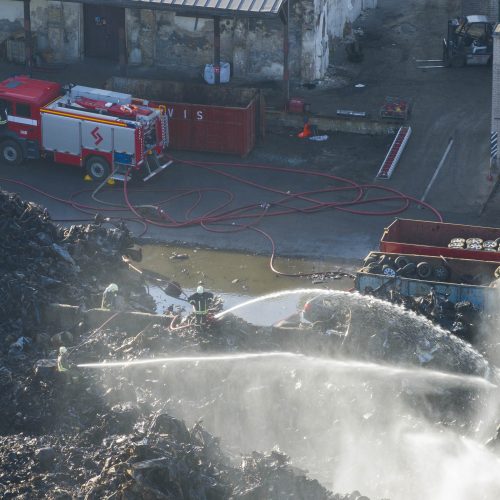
342 14
253 46
483 7
495 104
57 26
185 44
11 18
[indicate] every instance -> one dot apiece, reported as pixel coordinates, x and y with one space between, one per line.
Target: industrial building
489 8
261 39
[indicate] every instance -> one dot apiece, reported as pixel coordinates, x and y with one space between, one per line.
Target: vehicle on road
107 133
469 42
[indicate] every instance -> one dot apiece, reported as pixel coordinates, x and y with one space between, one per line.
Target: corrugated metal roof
199 8
215 7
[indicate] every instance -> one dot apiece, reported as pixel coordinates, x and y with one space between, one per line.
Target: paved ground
448 103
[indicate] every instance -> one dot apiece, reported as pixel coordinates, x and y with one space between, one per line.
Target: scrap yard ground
448 104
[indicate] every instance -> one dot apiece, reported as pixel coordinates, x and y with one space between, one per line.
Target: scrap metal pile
42 263
94 435
110 436
130 451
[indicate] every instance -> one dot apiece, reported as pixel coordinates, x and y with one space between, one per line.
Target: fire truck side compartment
98 137
124 140
61 134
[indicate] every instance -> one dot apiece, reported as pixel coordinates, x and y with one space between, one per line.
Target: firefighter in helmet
201 302
66 368
62 360
109 297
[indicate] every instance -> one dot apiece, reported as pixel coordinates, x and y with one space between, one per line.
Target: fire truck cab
107 133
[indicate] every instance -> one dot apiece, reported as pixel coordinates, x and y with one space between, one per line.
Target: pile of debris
87 434
85 444
42 263
461 318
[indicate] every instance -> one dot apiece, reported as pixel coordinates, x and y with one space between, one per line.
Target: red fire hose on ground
222 219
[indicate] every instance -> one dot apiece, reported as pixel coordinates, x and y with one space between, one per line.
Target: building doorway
102 26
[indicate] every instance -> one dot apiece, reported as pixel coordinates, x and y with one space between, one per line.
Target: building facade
488 8
68 31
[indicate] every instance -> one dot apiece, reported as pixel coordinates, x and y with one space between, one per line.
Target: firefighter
110 296
66 369
3 113
201 302
62 360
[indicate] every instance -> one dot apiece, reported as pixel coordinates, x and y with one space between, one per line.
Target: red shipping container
202 117
420 237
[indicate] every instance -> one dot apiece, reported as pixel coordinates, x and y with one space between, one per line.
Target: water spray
371 369
189 359
276 295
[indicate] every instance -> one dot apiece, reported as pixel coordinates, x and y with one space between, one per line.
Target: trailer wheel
407 271
388 271
424 269
401 262
441 273
98 168
11 153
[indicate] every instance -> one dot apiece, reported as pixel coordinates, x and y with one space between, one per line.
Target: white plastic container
209 73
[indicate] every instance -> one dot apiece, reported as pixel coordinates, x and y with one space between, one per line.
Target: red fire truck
107 133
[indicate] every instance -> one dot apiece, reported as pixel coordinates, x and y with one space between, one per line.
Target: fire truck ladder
153 165
394 154
120 171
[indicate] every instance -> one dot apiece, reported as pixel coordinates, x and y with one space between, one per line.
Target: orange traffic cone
306 131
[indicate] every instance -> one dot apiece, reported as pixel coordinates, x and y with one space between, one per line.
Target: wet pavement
238 277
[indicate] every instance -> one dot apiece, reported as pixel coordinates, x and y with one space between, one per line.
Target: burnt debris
41 263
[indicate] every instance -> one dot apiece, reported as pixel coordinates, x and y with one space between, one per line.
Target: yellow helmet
112 287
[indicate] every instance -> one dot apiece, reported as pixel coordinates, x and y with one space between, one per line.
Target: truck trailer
109 134
457 279
460 241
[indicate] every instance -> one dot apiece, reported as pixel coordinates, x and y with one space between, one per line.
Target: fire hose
222 219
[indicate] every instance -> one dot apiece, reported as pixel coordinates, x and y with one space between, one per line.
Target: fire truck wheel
11 153
98 168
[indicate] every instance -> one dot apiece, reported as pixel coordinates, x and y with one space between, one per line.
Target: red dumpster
202 117
436 238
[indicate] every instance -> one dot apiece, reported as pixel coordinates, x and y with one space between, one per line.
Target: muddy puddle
238 277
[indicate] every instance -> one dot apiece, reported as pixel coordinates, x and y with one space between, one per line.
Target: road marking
430 67
428 60
441 163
